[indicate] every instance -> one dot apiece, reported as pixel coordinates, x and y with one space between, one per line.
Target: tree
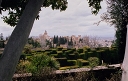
1 36
11 55
29 9
116 15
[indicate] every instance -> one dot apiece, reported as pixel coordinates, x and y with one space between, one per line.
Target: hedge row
79 57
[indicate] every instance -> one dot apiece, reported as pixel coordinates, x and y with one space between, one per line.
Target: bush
93 61
59 48
54 51
23 57
81 62
64 49
27 49
60 54
23 67
71 57
54 55
72 62
80 50
40 61
82 55
62 61
90 54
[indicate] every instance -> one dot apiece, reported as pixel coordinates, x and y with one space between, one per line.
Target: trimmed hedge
64 49
80 50
68 67
62 61
54 51
72 62
59 48
90 54
82 56
54 55
71 57
81 62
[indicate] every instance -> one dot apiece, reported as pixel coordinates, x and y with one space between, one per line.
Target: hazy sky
76 20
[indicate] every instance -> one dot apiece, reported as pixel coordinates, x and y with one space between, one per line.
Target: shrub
81 62
59 48
64 49
60 54
54 51
73 49
86 54
47 53
82 55
80 50
85 62
64 68
72 62
23 57
62 61
90 54
40 61
70 51
71 57
27 49
22 67
93 61
54 55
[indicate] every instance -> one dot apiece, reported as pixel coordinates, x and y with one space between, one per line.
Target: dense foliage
117 15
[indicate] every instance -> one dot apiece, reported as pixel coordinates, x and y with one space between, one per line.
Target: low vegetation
43 63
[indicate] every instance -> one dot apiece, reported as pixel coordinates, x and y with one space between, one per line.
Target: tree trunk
13 49
125 62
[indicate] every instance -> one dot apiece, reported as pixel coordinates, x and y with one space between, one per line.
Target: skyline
76 20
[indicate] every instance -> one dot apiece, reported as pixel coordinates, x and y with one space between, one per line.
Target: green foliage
2 45
40 61
54 55
47 52
64 68
27 49
60 54
33 42
72 56
23 67
80 50
54 51
59 48
117 15
62 61
72 62
23 57
93 61
95 5
82 55
90 54
64 49
81 62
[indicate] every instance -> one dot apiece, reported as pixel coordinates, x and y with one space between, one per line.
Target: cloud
76 20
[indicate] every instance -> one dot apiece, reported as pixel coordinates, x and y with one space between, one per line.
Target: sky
76 20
